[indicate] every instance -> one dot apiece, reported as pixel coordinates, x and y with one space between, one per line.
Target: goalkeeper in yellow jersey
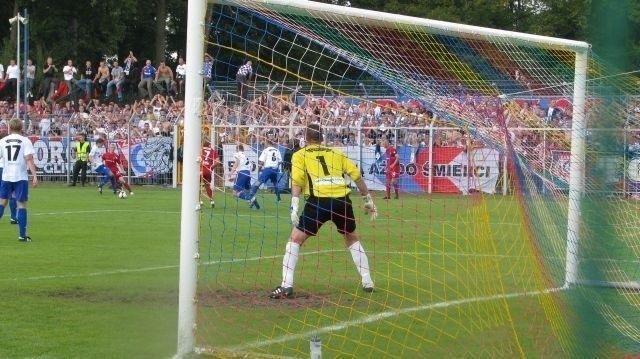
318 172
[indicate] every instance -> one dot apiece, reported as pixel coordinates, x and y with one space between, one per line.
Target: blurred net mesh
475 271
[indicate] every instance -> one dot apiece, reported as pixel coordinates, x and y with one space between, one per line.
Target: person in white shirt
30 76
12 199
97 164
181 74
11 77
269 162
242 171
69 72
1 72
16 152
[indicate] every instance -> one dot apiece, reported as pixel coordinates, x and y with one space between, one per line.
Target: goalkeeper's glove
369 207
295 219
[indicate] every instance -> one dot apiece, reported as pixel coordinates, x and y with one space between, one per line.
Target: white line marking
384 315
99 211
276 256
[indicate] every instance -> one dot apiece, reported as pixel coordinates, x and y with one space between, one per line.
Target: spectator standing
243 76
49 71
131 75
30 76
83 148
147 76
207 70
87 75
11 79
181 74
117 79
164 77
69 72
15 176
101 79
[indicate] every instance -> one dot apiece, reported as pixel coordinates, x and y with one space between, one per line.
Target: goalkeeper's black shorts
317 211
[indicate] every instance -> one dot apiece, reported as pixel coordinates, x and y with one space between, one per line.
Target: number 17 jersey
13 150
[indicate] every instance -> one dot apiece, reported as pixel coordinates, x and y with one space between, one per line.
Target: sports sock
1 210
254 189
277 190
361 261
113 183
245 195
13 205
209 191
289 262
22 221
104 181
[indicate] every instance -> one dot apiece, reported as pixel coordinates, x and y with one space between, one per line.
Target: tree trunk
161 33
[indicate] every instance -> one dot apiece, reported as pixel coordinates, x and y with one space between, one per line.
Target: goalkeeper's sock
13 205
1 210
362 262
22 221
289 262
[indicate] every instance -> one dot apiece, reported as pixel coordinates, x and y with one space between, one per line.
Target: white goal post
192 127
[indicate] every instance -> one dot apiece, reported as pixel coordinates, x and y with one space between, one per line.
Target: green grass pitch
100 279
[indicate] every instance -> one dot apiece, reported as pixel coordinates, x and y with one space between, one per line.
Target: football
122 194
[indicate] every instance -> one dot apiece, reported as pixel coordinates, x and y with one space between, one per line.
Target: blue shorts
103 170
269 173
243 181
19 189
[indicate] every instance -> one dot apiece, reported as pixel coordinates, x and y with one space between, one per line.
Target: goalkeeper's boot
281 293
367 284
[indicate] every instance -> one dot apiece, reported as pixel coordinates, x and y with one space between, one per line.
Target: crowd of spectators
120 98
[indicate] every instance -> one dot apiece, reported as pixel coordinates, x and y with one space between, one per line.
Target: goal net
515 227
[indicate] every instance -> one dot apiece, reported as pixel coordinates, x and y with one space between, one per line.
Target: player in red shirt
210 160
393 168
112 161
